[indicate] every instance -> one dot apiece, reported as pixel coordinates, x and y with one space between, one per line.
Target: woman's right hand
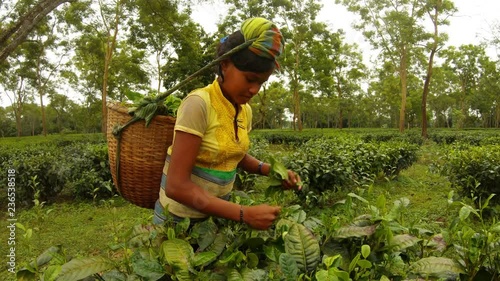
261 216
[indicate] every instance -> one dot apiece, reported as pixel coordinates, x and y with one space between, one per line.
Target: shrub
48 168
36 163
332 164
474 170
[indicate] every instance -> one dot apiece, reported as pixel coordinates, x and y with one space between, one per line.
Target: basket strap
148 108
152 106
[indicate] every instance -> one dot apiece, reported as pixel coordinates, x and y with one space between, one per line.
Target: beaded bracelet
260 167
241 213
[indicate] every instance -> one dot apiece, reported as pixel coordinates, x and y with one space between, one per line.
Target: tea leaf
403 241
253 274
495 228
333 274
177 252
52 272
204 233
289 266
301 244
358 197
234 275
252 260
272 252
203 258
77 269
437 267
365 251
150 269
355 231
46 256
364 264
278 169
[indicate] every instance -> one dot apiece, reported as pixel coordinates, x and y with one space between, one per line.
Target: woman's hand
261 216
293 181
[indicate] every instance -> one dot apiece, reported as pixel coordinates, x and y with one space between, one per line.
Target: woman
211 135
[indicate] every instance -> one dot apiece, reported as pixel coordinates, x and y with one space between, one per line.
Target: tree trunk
428 76
403 71
18 109
158 68
40 93
497 119
110 46
14 36
425 92
296 98
341 123
44 122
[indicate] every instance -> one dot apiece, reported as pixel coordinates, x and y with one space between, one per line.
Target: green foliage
340 163
81 168
473 170
472 137
476 244
354 238
301 245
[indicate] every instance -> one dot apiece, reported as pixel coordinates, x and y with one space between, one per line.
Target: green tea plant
476 244
80 168
396 250
342 164
473 170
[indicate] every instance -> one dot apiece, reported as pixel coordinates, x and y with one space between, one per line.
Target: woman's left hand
293 181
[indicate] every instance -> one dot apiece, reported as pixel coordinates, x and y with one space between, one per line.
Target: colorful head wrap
269 40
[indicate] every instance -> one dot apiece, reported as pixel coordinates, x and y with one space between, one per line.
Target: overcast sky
470 25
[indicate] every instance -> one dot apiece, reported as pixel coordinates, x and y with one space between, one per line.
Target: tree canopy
122 50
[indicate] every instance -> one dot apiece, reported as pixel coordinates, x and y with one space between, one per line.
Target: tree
441 96
487 97
434 8
31 120
299 17
337 66
269 106
96 50
392 27
16 81
7 125
61 108
27 19
168 34
465 65
383 94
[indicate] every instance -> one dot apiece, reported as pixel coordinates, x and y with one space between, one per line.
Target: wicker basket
142 152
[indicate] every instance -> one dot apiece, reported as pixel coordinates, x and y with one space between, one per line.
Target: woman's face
240 86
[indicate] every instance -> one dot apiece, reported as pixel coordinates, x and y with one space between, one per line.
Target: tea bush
48 168
472 137
332 164
474 170
360 240
37 170
92 176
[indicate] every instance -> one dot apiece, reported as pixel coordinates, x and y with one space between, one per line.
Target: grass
87 228
82 228
20 142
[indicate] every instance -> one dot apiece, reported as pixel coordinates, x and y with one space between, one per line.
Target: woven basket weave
142 154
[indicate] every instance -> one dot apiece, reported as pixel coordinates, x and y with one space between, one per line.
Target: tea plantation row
79 166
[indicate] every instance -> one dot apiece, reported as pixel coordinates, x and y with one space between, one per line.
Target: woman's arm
251 165
181 189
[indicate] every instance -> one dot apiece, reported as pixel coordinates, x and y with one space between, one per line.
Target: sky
470 25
